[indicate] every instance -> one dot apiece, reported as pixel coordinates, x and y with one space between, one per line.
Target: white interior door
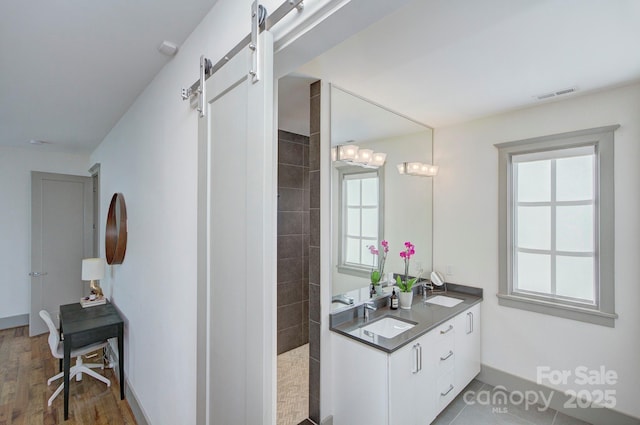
61 236
237 244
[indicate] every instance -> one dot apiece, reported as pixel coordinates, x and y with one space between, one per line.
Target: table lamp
93 270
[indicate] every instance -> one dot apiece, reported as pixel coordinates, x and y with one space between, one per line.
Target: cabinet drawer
445 355
440 355
445 389
444 330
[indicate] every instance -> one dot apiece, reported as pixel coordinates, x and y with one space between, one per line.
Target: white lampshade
378 159
93 268
414 167
417 169
364 156
347 152
432 170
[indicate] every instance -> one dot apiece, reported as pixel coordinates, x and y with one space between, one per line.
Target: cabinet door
411 388
359 383
467 347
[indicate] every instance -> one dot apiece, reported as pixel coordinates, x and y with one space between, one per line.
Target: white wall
16 165
466 237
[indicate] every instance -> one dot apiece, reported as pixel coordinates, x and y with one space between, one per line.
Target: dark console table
84 326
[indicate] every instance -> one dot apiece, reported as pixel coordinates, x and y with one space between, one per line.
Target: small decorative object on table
404 283
88 302
378 271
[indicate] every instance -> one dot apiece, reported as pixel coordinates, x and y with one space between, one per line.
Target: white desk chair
57 350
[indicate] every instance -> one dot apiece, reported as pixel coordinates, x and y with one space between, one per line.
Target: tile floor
293 386
461 413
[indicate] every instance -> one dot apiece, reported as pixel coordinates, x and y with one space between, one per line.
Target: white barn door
237 243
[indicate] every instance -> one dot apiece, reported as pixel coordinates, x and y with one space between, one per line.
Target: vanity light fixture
417 169
351 154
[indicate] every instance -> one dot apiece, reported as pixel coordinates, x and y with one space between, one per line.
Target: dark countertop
425 316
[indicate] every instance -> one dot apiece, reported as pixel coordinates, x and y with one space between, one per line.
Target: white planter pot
405 298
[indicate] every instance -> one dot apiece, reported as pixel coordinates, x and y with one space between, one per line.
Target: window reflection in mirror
361 223
403 211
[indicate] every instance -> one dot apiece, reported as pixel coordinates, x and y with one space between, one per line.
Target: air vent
556 93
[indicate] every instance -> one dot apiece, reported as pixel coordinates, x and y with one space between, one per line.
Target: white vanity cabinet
410 386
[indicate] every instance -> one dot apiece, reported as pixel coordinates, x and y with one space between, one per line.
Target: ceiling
71 68
446 61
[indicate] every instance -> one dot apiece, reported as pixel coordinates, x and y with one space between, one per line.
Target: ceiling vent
557 93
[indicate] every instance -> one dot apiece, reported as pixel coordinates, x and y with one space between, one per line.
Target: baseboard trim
495 377
14 321
136 409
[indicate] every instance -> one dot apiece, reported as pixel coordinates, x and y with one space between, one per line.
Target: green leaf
375 277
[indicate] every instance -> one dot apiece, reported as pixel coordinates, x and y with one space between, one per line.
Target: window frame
603 312
350 268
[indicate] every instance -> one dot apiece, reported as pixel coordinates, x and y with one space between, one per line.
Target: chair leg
73 372
92 373
94 365
53 378
55 394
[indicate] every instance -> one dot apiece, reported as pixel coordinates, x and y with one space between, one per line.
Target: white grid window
554 224
360 218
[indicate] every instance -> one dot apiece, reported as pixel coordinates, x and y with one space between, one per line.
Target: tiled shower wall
314 253
293 240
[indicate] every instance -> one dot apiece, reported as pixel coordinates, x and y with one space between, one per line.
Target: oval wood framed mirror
116 232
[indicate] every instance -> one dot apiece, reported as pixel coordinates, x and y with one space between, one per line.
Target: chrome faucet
369 305
342 298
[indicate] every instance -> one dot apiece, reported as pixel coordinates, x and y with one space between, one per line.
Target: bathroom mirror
370 203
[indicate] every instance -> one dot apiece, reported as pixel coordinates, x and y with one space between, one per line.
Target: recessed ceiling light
168 48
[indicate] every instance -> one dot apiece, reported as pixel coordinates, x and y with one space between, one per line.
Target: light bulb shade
93 268
414 167
417 169
432 170
347 152
334 154
378 159
364 156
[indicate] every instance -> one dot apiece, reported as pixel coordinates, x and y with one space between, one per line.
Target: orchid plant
405 284
377 273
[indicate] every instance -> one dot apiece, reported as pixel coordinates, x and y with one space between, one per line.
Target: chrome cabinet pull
469 323
449 329
415 364
447 356
448 391
419 357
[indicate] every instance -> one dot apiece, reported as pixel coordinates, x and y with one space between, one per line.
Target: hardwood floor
26 364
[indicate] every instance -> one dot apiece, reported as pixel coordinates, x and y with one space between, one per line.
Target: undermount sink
387 327
444 301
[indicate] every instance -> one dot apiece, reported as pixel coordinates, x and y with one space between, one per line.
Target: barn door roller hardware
259 22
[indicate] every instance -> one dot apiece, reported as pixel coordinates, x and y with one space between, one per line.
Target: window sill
587 315
353 271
